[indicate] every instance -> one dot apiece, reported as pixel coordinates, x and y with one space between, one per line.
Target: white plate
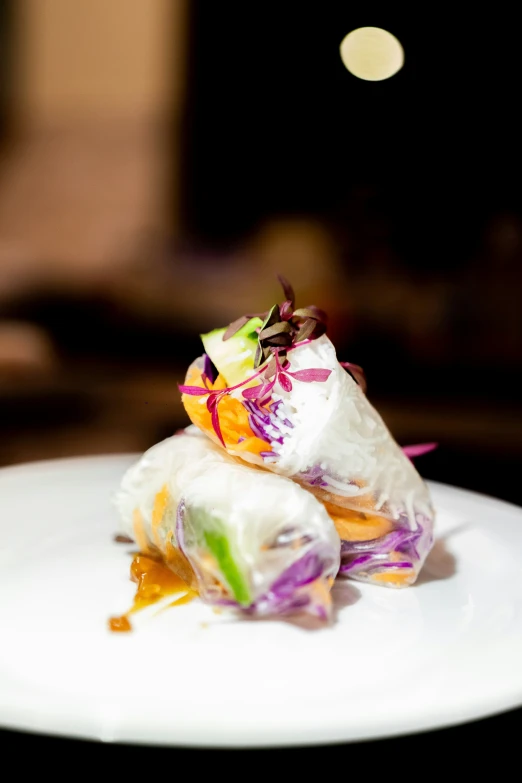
443 652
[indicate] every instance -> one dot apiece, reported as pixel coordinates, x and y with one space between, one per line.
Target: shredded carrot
158 512
253 444
357 526
321 592
139 531
233 416
404 577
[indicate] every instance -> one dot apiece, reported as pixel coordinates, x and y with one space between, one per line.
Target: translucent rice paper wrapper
327 437
243 538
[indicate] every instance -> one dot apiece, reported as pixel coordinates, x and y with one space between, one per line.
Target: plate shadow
440 563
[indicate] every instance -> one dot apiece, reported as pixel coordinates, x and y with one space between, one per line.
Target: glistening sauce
155 581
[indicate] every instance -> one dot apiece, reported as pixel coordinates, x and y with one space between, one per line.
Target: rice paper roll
302 415
243 538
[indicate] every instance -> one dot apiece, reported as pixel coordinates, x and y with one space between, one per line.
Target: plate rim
432 720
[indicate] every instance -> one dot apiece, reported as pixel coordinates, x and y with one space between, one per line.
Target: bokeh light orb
372 54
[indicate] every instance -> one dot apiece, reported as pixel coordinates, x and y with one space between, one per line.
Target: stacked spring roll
242 538
270 391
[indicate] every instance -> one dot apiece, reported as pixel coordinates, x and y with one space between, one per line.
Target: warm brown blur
97 90
140 205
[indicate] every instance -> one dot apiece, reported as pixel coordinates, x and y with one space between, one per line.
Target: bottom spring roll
242 537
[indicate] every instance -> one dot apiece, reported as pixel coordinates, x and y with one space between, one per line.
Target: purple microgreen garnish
284 382
235 326
270 368
356 372
252 393
283 329
311 376
275 371
212 405
419 449
286 310
194 391
280 340
259 355
283 326
280 328
311 312
272 317
266 390
287 288
215 424
305 330
259 392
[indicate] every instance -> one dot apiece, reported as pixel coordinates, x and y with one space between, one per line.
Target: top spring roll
272 392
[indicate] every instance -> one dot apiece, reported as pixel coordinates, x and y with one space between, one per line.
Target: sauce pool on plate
155 581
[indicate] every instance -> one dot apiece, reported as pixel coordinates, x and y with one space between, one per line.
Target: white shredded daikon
334 426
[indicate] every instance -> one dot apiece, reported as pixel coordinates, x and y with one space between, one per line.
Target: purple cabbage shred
362 559
209 368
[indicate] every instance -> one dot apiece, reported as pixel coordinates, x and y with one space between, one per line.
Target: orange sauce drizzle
155 581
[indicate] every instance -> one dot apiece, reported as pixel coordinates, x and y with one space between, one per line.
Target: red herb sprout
261 393
418 449
284 328
283 325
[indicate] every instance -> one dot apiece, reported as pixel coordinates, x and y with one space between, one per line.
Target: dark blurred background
161 161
